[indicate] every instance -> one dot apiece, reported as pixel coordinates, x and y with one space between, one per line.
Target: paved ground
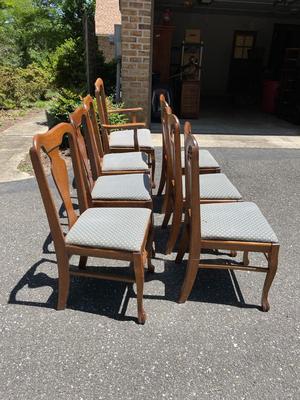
14 145
16 140
227 119
216 346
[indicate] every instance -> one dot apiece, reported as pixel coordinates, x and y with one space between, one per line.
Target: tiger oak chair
238 226
124 190
101 163
131 136
207 163
215 188
112 233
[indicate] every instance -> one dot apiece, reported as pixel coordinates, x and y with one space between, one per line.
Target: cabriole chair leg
272 268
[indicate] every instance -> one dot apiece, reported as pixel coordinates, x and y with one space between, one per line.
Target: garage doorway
237 51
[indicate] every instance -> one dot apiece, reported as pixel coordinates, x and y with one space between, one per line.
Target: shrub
64 103
115 118
67 65
21 87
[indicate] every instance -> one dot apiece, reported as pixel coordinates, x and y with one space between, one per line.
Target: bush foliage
63 104
20 87
42 47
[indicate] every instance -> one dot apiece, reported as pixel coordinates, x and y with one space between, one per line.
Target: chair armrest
125 110
133 126
131 111
127 125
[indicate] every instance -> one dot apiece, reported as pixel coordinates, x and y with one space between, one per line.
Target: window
243 42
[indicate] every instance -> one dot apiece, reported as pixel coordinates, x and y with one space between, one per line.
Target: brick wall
136 52
106 47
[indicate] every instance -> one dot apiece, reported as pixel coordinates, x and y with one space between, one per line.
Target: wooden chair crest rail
88 234
125 190
215 188
208 165
83 118
235 226
131 136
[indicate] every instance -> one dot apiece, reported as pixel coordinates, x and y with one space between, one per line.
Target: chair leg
189 280
152 157
168 213
272 264
149 247
246 258
82 262
63 282
162 180
183 245
167 195
175 228
139 279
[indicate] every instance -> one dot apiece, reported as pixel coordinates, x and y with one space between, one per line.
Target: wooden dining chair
238 226
207 163
112 233
101 163
124 190
215 188
131 136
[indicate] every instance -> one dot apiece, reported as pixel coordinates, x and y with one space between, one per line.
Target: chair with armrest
131 136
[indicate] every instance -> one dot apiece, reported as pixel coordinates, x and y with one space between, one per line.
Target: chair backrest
163 106
81 163
102 111
173 153
83 125
88 104
192 189
49 143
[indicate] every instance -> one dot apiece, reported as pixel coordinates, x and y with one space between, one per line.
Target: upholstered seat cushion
241 221
126 138
214 187
206 160
110 228
135 161
122 187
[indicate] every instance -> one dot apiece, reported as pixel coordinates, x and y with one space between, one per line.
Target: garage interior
231 67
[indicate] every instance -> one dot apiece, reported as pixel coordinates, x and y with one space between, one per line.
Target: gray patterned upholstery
214 187
206 160
125 138
242 221
136 161
122 187
110 228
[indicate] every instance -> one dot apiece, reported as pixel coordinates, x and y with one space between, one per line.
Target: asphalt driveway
218 345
